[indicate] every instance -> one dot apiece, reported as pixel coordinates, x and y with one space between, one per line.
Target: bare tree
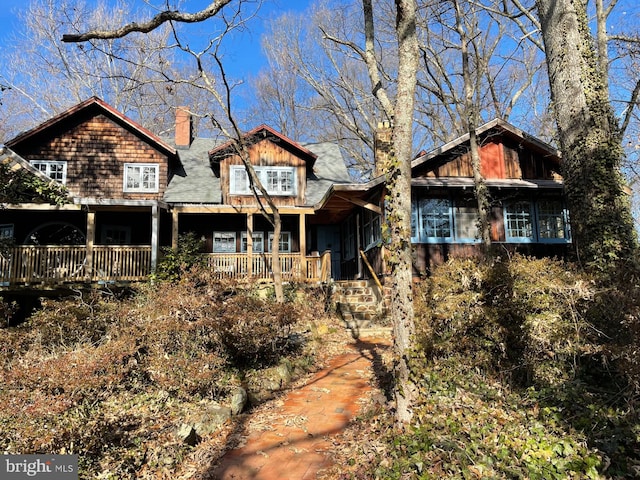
464 25
218 87
134 77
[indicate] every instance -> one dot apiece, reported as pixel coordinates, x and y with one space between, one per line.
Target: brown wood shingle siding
96 150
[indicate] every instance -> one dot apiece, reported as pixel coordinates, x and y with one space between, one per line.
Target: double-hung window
224 242
257 242
116 235
518 221
141 177
279 181
284 245
54 169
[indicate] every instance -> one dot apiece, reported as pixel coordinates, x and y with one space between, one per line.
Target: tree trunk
590 138
480 187
398 208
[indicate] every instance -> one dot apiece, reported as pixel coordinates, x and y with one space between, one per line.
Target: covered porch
50 265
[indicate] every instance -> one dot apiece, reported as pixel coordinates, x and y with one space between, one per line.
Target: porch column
91 234
174 229
302 235
249 244
155 224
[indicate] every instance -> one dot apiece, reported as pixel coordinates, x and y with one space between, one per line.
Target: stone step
352 283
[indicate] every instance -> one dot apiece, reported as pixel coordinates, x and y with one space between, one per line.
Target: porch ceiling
338 207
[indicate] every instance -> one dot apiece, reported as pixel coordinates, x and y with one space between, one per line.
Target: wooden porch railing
38 264
51 265
258 266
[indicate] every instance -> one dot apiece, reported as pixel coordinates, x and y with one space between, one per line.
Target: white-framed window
141 177
6 231
553 225
279 181
284 245
55 169
224 242
258 242
115 235
518 221
371 228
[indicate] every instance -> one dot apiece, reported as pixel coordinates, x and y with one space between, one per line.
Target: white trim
140 181
49 171
239 180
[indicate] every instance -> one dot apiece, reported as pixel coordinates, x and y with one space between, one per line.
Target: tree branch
146 27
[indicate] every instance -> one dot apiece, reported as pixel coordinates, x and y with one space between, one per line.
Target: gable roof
261 132
195 182
108 111
498 126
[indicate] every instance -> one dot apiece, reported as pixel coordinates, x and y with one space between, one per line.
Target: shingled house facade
132 193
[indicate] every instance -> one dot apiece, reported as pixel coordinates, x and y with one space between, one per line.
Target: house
132 193
528 211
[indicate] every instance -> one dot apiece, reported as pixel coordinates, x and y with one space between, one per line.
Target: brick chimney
382 148
184 127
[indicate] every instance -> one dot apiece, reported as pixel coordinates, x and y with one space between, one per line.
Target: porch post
91 234
155 224
250 244
302 235
174 229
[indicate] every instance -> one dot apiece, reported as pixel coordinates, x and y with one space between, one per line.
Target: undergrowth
111 379
517 376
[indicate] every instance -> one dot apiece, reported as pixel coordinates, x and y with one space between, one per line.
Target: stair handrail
373 273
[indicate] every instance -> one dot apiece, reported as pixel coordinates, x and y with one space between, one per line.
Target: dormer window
54 169
141 177
278 181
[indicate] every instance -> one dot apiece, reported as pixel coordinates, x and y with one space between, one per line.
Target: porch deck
30 265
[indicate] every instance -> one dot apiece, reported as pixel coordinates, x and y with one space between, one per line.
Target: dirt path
292 440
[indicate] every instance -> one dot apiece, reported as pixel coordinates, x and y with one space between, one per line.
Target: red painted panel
492 160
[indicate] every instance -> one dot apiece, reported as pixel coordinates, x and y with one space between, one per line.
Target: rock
210 420
284 372
187 434
238 401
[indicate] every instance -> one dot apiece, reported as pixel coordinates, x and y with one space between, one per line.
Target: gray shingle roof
195 183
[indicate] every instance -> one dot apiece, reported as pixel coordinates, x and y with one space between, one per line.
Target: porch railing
50 265
315 268
39 264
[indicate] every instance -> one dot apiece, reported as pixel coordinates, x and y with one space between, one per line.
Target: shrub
255 332
521 317
175 262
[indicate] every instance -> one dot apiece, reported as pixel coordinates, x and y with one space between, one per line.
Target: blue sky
246 57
